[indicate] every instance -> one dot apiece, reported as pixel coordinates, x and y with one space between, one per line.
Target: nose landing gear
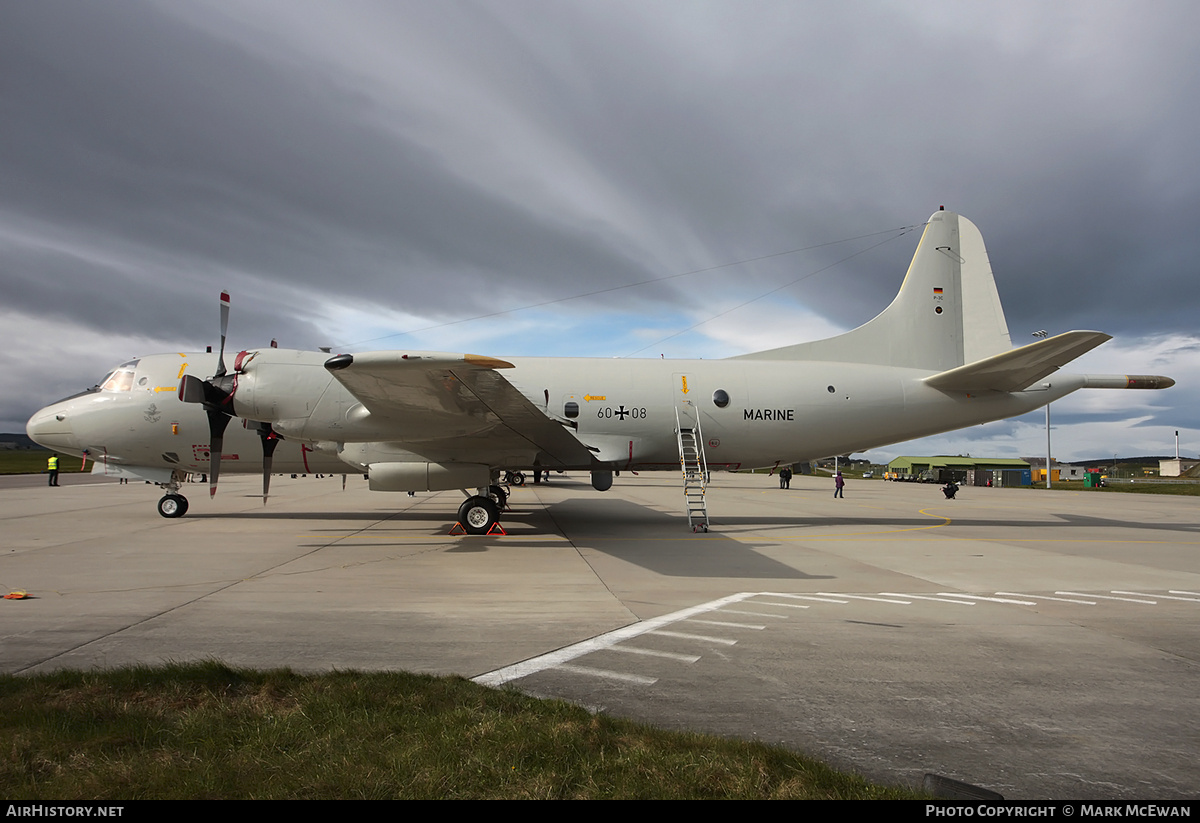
173 505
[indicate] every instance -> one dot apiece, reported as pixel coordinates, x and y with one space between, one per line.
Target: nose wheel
173 505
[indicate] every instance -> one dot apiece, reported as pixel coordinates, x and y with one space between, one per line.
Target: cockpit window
121 379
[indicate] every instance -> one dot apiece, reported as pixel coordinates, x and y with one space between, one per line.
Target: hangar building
966 471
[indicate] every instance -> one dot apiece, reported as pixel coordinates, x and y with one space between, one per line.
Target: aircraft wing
1019 368
443 402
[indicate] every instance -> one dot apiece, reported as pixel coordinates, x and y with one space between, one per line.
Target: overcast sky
361 175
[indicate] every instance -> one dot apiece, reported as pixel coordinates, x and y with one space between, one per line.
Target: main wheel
173 505
515 479
478 515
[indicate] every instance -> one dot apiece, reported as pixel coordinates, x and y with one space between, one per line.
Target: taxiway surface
1040 644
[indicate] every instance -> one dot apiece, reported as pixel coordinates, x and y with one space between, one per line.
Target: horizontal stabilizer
1019 369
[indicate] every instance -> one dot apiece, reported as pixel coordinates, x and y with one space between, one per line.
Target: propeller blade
217 421
224 329
269 441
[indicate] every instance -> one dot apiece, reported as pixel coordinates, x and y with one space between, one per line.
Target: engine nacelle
427 477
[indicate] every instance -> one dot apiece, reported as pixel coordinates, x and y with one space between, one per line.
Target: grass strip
210 731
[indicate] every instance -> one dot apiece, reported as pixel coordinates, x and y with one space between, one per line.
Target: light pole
1042 333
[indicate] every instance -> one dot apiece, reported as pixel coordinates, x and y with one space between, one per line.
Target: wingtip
487 362
1150 381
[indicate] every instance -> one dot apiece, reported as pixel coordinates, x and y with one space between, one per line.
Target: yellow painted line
596 538
181 368
428 537
166 388
946 522
1081 540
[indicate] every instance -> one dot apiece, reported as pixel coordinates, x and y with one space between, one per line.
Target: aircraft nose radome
51 428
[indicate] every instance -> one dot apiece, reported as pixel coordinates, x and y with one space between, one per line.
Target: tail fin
947 313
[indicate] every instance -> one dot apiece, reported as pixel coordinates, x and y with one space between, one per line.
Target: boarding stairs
693 464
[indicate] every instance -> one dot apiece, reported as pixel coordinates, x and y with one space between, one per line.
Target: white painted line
752 614
934 599
725 623
804 597
1048 597
876 599
1193 594
703 637
686 658
785 605
608 675
1107 597
991 599
556 658
1160 596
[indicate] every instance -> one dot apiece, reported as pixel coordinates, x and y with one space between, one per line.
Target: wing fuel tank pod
1127 381
427 477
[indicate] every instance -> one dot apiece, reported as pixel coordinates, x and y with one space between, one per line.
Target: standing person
839 483
786 474
52 469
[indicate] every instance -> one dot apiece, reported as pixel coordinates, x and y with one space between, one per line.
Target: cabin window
720 398
571 409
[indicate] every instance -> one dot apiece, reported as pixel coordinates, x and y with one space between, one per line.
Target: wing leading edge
437 398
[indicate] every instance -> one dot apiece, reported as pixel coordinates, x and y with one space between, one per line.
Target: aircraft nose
51 428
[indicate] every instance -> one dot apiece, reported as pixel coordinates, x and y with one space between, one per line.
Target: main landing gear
479 513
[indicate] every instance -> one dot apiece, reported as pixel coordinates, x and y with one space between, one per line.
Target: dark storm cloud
730 134
446 160
191 148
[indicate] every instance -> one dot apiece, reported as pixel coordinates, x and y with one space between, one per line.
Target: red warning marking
496 530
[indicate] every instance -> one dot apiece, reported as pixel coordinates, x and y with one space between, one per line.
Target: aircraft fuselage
751 413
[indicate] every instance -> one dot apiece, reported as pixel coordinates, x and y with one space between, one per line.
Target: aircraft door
712 405
684 397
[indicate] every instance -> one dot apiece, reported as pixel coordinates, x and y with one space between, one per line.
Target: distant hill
19 441
1103 461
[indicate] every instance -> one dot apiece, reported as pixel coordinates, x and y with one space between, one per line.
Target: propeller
216 395
269 441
